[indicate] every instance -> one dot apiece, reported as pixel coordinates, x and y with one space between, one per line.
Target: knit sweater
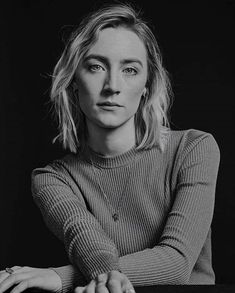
164 202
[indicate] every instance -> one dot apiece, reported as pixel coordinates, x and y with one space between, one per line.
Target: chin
112 122
108 122
110 125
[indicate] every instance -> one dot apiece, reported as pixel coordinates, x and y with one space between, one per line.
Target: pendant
115 217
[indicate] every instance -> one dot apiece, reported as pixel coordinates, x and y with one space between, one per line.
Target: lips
109 104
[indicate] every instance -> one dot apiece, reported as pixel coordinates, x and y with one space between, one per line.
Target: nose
112 83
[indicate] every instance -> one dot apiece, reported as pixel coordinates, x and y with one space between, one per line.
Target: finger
101 284
101 288
114 286
25 285
15 268
128 288
90 288
11 280
3 276
22 269
79 289
102 278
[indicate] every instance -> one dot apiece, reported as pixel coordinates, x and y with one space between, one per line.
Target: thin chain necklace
114 212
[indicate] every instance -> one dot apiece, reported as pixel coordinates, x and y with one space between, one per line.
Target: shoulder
63 164
193 146
187 140
57 165
60 170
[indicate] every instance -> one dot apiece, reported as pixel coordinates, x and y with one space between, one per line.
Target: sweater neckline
111 162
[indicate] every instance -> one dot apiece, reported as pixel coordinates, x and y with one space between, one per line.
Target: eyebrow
105 59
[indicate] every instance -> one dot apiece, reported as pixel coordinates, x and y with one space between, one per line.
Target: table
171 289
187 288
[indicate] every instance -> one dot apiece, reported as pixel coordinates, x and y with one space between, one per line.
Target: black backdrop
197 42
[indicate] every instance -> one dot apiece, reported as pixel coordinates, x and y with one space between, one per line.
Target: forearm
70 277
89 248
66 215
87 245
158 266
141 268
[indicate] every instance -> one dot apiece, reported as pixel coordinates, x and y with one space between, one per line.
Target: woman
133 201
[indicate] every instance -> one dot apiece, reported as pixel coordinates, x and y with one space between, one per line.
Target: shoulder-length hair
151 121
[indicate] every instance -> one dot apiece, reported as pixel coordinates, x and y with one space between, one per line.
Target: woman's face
111 78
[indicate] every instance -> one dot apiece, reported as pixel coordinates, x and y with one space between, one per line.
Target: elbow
180 268
182 274
182 279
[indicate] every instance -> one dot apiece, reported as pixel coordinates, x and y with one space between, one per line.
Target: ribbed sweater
165 202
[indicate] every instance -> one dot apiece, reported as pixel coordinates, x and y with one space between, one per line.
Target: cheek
88 84
135 93
84 88
136 86
87 91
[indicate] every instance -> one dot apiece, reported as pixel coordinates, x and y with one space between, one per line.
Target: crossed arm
169 262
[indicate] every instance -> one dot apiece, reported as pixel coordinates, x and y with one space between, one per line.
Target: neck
111 141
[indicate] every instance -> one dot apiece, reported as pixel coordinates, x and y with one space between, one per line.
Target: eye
130 71
95 67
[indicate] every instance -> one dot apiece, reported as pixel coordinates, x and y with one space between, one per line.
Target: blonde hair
151 119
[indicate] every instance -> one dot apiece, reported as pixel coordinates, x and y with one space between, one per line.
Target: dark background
197 42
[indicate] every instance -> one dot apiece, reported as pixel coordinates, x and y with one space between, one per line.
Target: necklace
114 212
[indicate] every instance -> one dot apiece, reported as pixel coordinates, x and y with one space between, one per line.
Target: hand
112 282
26 277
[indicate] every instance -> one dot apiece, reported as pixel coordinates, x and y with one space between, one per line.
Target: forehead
118 43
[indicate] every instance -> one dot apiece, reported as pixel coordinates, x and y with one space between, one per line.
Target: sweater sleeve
66 215
171 261
70 277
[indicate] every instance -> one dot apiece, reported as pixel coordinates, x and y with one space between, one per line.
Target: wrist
58 281
70 277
